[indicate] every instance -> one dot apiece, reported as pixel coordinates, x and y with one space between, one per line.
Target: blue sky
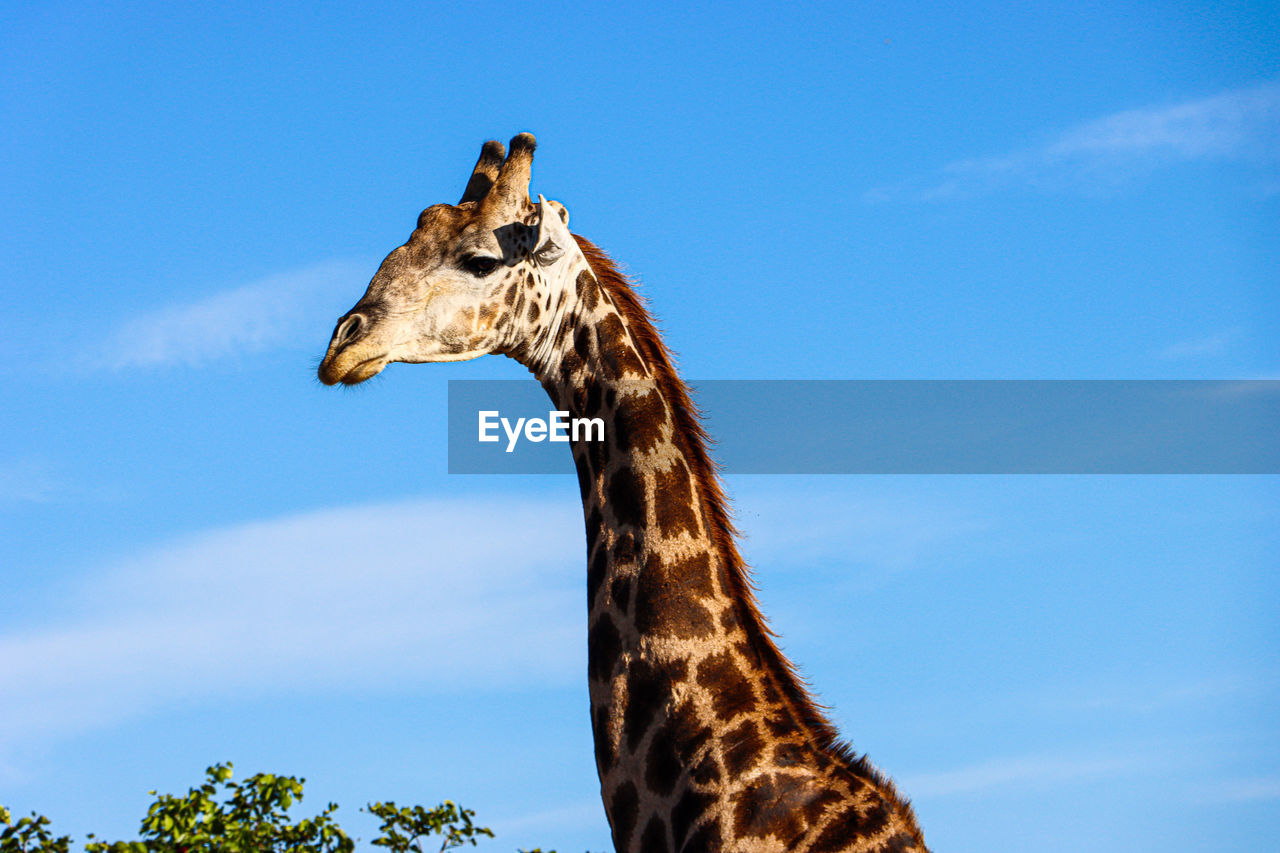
206 556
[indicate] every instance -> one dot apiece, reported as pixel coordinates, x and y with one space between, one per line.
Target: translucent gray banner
910 427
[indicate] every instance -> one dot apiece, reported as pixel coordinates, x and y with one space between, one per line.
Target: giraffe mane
693 437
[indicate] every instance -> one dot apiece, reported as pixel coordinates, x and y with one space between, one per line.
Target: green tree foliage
406 829
224 816
29 835
250 818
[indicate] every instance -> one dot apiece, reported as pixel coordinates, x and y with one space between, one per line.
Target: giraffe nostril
348 329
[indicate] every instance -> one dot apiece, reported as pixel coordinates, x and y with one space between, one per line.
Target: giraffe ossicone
705 738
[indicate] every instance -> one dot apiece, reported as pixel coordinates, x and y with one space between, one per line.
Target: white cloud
1201 347
1021 771
1240 125
420 593
27 481
1144 698
548 821
843 537
1224 125
251 318
413 593
1260 789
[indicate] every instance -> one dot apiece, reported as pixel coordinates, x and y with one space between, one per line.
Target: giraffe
705 738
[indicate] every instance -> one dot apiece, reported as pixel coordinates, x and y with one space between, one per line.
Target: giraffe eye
480 265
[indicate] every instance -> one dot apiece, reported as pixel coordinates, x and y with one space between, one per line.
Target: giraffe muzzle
347 360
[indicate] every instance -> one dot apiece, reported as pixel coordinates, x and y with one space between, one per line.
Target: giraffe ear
554 238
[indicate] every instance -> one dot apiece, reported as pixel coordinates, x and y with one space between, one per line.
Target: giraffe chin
332 372
440 358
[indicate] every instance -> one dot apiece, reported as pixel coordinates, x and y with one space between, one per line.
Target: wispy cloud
1259 789
251 318
546 822
27 481
1146 697
1022 772
1200 347
1242 124
847 538
349 598
341 598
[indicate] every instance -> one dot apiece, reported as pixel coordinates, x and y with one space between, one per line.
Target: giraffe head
474 278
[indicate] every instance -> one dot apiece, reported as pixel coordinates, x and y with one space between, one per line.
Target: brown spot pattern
620 592
594 525
707 770
705 839
692 805
673 499
743 747
582 344
654 839
773 807
849 824
626 550
729 688
588 290
622 814
637 423
669 599
626 498
647 690
604 644
662 766
600 735
597 567
591 402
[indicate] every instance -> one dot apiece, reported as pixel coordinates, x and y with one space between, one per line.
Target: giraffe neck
704 738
